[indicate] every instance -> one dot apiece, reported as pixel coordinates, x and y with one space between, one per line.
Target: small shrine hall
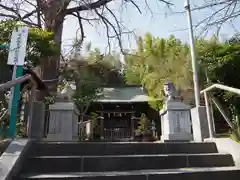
119 110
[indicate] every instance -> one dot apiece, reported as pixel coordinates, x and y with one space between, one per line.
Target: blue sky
162 24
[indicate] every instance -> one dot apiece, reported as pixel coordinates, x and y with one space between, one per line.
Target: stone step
222 173
52 164
97 148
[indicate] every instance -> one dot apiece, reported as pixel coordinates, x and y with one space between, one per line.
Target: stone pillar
175 121
35 123
199 124
35 128
63 123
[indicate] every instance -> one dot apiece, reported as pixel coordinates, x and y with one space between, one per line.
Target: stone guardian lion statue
170 91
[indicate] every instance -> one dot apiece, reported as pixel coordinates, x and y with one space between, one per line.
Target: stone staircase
126 161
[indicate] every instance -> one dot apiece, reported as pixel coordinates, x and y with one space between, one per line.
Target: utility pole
193 55
197 125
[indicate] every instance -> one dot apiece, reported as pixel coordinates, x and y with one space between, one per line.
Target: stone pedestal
63 122
175 122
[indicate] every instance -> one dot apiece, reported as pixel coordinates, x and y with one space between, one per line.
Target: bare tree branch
222 11
52 13
89 6
81 28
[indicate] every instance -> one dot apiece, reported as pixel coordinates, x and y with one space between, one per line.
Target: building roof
123 94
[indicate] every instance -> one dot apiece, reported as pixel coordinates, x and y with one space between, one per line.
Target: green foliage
88 89
20 127
105 67
235 132
4 117
90 74
39 47
220 64
40 42
155 61
94 116
49 100
155 103
144 124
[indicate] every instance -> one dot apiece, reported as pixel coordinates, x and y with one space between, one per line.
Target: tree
88 89
218 13
157 60
107 67
39 46
220 64
145 125
50 15
90 74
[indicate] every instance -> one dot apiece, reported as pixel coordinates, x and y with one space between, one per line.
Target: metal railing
20 80
36 84
217 104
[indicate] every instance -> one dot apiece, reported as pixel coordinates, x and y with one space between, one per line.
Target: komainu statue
170 92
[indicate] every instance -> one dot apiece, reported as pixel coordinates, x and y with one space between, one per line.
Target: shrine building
119 110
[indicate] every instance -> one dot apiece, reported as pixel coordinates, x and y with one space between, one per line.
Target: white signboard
18 44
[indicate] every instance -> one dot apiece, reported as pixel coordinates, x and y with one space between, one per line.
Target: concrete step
221 173
52 164
97 148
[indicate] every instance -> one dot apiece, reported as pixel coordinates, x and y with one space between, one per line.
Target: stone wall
227 145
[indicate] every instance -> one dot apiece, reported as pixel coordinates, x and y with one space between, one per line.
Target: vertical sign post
16 57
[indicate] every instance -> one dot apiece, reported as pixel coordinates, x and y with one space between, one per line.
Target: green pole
15 102
18 39
18 72
3 46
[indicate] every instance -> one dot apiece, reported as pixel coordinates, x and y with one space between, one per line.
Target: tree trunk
54 13
50 66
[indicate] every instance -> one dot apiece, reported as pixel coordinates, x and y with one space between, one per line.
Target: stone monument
175 116
63 120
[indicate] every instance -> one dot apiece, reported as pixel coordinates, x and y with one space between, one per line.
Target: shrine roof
123 94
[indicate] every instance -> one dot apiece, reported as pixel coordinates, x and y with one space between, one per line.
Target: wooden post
30 117
102 126
133 126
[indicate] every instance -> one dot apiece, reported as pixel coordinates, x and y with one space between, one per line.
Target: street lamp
193 55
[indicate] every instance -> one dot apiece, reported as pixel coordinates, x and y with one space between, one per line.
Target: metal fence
117 134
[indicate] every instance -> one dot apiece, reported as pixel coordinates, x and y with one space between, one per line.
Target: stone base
58 137
63 122
199 124
177 137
